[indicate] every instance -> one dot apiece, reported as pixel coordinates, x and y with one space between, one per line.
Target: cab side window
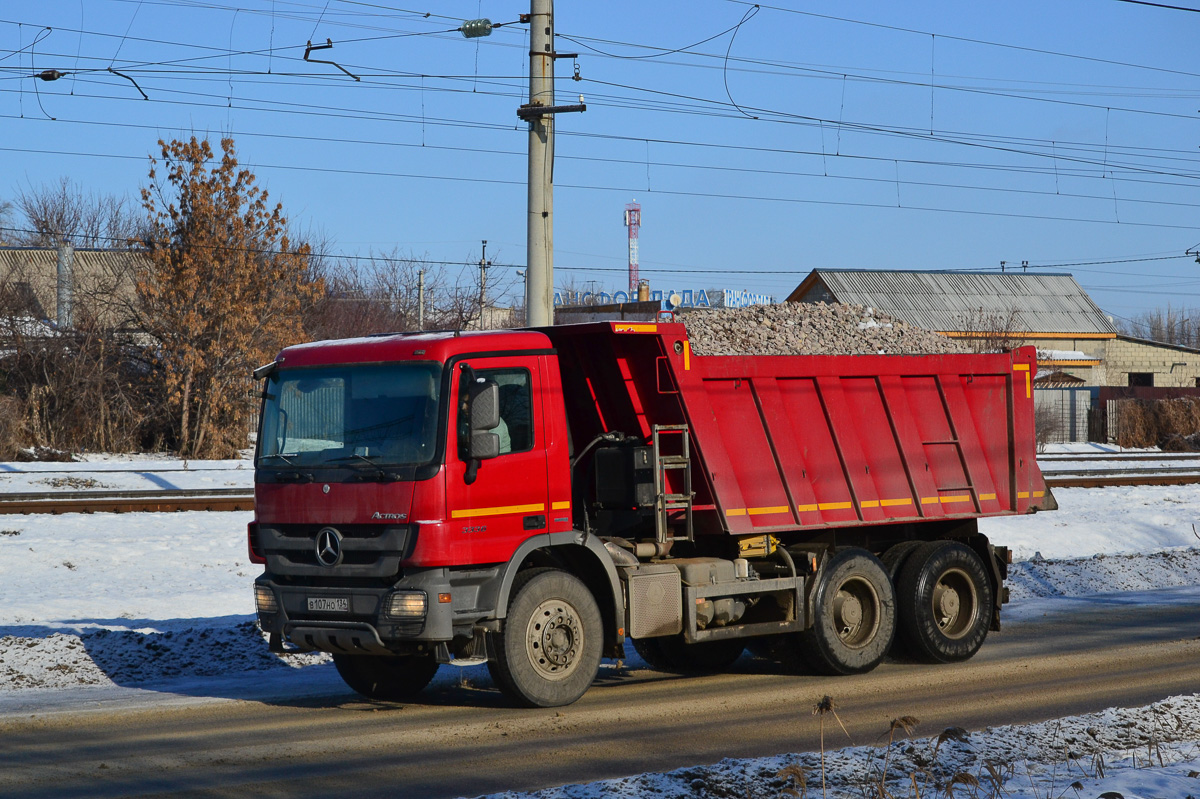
516 408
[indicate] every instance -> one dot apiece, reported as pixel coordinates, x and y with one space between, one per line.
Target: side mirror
478 412
484 446
485 406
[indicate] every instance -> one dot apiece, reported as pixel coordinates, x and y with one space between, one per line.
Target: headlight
406 605
264 598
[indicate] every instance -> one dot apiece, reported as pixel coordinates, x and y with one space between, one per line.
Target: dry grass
1172 424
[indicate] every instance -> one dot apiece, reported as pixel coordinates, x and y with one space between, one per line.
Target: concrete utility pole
539 113
539 279
420 299
65 285
483 267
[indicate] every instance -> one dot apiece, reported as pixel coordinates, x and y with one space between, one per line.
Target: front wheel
854 615
386 678
548 650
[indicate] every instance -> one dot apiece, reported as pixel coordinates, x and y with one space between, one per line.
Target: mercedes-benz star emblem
329 547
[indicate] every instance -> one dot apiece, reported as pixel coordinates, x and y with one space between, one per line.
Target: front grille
368 550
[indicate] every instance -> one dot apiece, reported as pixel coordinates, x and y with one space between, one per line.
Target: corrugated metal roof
104 279
963 301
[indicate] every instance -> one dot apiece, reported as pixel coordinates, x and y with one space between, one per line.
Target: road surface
464 741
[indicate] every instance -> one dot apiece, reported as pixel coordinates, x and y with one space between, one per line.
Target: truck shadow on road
228 658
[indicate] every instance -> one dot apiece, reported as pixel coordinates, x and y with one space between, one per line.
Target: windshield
382 414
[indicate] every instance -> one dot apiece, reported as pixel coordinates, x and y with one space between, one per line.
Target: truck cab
395 479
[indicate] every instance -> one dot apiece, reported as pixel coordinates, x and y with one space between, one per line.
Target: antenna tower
633 221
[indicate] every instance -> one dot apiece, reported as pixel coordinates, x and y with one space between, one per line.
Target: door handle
534 522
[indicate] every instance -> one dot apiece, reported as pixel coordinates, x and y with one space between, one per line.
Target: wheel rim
554 639
955 603
856 612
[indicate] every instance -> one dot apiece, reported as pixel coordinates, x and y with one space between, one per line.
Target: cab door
508 501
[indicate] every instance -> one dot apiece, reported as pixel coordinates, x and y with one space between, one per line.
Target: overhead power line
969 40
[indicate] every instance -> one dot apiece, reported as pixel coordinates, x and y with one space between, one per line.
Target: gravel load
799 328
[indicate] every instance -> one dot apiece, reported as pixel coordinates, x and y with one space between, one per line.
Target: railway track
241 499
1098 470
151 500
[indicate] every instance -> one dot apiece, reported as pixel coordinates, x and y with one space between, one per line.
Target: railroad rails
1084 470
1097 470
149 500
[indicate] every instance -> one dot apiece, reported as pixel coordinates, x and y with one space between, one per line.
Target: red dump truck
535 498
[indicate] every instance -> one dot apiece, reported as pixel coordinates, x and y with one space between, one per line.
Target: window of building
1141 379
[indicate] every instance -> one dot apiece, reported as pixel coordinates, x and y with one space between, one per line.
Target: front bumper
455 602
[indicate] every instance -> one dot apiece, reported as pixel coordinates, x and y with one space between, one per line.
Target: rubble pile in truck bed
795 328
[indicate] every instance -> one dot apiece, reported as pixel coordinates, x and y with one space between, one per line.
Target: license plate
329 604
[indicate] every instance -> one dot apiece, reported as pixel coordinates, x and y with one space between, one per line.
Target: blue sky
934 135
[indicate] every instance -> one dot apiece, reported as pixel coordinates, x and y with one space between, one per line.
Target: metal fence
1061 414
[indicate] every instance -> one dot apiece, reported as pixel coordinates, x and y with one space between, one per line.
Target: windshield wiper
281 457
365 458
379 474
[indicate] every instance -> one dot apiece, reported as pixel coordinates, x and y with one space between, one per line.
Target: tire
387 679
854 615
945 602
893 561
548 650
672 653
895 557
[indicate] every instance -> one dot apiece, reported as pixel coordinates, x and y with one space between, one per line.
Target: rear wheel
945 601
672 653
548 651
854 615
386 678
896 556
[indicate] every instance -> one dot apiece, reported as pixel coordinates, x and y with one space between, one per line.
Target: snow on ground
113 473
1149 752
158 608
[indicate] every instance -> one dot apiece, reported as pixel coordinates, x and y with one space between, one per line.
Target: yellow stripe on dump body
736 512
560 505
497 511
766 511
1024 367
987 496
635 328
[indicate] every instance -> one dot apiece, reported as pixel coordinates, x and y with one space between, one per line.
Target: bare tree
992 330
381 294
1179 326
63 211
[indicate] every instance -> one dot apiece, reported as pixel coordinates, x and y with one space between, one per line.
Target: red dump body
787 442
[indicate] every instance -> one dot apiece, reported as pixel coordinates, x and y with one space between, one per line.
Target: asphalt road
463 741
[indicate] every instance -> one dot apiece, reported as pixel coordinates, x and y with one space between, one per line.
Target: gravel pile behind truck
795 328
